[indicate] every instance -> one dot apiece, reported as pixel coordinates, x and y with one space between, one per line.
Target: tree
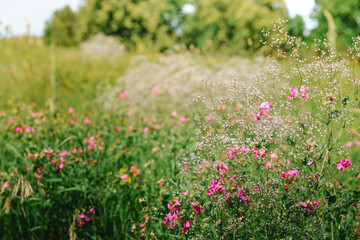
346 15
147 22
231 24
296 26
61 29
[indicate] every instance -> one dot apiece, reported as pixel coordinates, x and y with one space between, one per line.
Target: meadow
111 148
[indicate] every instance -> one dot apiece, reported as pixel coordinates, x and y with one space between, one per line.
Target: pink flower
286 187
154 150
186 193
29 129
92 210
219 222
18 129
238 107
116 129
274 155
63 153
146 130
245 150
71 110
87 218
341 165
5 185
74 151
131 128
161 182
210 119
155 90
223 169
61 166
81 216
303 204
196 207
291 173
39 170
256 189
87 121
310 163
123 95
173 114
267 165
183 120
187 224
172 204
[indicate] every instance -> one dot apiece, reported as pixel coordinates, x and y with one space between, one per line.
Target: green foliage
61 29
296 26
136 23
233 25
346 15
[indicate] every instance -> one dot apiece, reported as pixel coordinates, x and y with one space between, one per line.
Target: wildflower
87 121
92 210
116 129
174 114
133 228
196 207
81 216
172 204
131 128
155 90
29 129
310 163
186 193
187 224
219 222
183 120
238 107
341 165
63 153
161 182
61 166
123 95
154 150
303 204
71 110
18 129
223 169
87 218
126 178
210 119
39 170
264 108
274 155
267 165
134 170
146 130
233 151
5 185
286 187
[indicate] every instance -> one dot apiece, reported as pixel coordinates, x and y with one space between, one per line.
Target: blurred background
66 48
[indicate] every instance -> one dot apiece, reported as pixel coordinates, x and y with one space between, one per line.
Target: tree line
228 26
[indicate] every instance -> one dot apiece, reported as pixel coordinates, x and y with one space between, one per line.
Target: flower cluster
82 218
341 165
295 91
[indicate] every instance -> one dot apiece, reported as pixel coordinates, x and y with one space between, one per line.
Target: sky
18 13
